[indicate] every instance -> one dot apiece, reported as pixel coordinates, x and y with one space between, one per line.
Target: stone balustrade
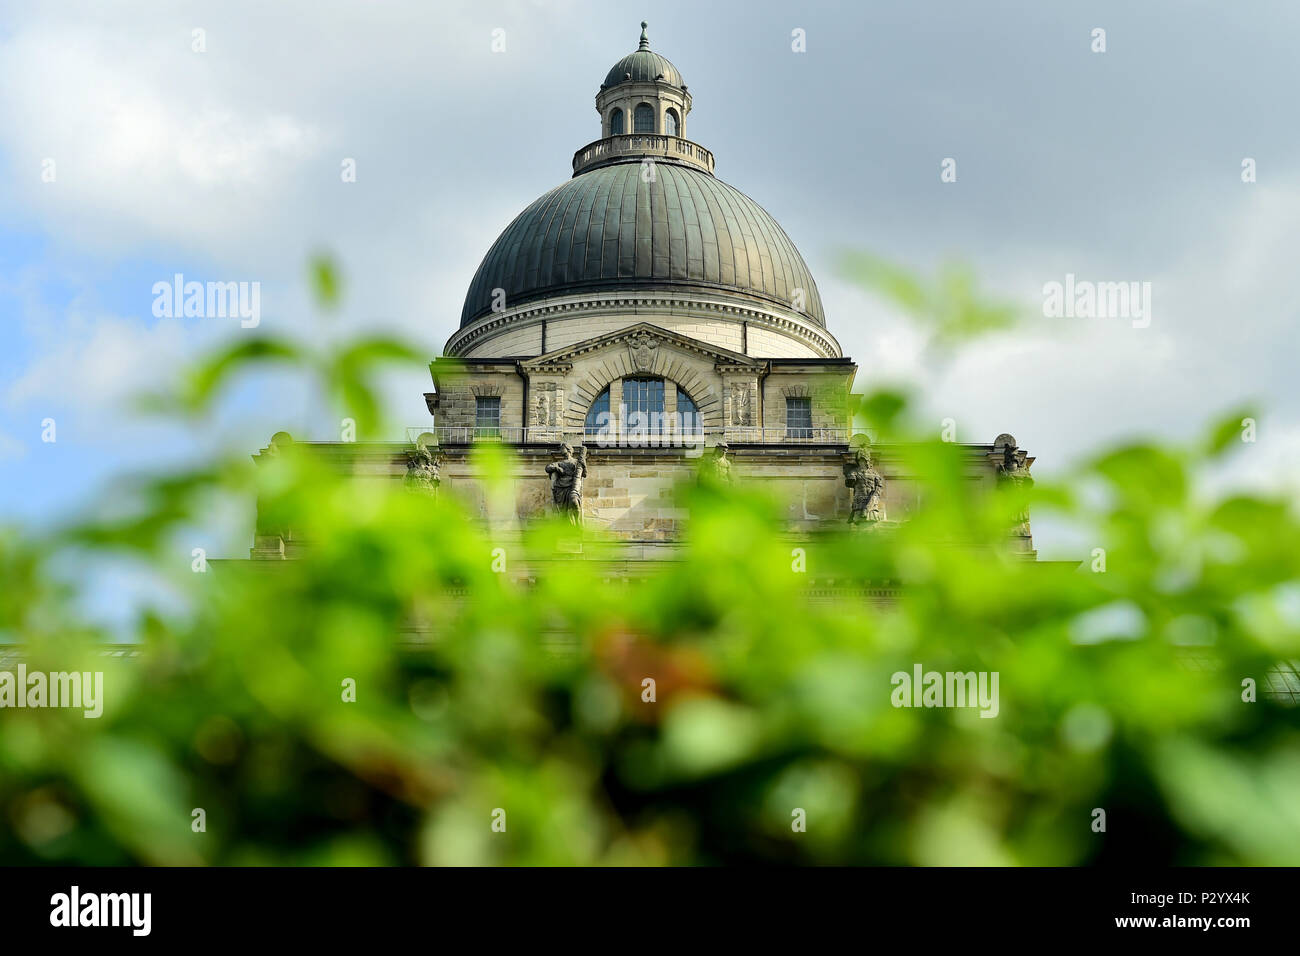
648 145
686 437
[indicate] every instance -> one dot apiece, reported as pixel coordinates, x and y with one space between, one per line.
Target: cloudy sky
224 164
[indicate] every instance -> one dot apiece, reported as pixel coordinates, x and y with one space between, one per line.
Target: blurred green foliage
1120 689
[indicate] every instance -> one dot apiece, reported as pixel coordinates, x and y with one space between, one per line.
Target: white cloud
99 362
138 160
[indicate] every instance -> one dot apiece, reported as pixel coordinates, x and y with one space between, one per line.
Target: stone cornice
533 313
630 89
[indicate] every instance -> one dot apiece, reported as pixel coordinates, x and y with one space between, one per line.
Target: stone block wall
828 390
630 493
460 387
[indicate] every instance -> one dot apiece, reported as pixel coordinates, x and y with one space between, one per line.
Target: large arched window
643 412
616 123
671 123
643 119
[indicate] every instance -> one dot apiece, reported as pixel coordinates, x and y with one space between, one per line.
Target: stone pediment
565 382
641 344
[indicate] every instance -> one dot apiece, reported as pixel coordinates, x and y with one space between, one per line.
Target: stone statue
566 483
1014 473
868 484
279 442
717 470
422 470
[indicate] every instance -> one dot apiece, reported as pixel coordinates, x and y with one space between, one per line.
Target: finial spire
645 40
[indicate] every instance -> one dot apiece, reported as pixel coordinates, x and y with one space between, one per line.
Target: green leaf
204 381
326 282
1230 431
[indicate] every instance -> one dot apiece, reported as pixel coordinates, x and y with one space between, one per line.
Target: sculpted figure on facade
643 348
546 411
280 441
868 484
716 469
1014 473
422 470
740 404
567 476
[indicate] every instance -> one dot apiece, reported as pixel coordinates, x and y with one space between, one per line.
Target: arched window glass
598 420
670 123
688 415
616 123
644 400
643 120
643 412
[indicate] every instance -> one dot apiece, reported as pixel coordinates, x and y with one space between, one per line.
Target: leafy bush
1120 690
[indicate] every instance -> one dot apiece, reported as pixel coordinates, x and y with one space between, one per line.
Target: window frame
591 427
650 402
643 110
482 430
695 427
804 428
646 404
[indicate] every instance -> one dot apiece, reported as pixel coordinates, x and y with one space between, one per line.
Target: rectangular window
487 416
798 418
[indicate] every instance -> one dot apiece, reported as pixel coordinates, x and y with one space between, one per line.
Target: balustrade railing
632 437
642 144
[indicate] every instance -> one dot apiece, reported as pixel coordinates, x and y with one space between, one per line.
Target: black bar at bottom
331 906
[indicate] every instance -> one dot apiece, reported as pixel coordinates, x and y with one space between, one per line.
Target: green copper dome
608 230
642 67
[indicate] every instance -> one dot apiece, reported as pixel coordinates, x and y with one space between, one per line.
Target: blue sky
224 165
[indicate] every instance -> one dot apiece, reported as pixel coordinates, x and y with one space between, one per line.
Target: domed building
647 310
646 314
643 227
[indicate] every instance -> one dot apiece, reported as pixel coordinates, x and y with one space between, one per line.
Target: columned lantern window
671 124
616 123
644 119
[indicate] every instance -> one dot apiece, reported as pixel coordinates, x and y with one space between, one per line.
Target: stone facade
631 494
738 397
655 321
631 491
